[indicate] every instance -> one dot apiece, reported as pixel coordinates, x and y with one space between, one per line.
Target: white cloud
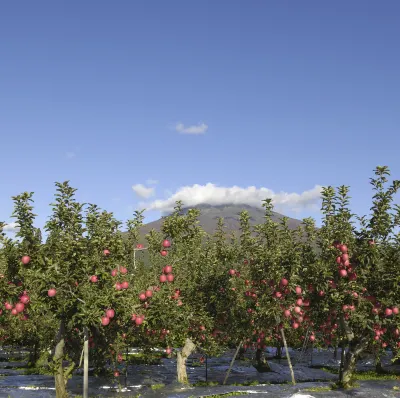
151 182
142 191
216 195
70 155
12 227
195 129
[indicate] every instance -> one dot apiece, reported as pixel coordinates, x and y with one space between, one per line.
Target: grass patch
205 384
371 375
247 383
328 369
144 359
318 389
157 386
227 394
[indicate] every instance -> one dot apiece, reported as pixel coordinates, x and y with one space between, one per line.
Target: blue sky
283 95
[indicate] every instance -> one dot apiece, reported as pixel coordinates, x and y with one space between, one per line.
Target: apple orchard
185 290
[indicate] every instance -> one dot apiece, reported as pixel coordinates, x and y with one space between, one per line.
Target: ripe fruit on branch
149 293
116 374
110 313
298 290
93 279
24 299
51 292
388 311
163 278
139 320
25 260
232 272
106 252
167 269
342 248
168 351
163 253
114 272
342 273
395 310
142 296
118 286
19 307
166 243
105 320
123 270
14 311
125 285
284 282
139 246
8 306
170 278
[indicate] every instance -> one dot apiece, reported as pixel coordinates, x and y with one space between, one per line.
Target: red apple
106 252
168 351
19 307
114 272
93 279
232 272
24 299
388 311
170 278
395 310
287 313
149 293
167 269
297 310
342 248
163 253
118 286
166 243
342 273
142 296
125 285
105 320
139 246
51 292
284 282
139 320
116 374
123 270
299 301
163 278
110 313
14 311
298 290
8 306
25 260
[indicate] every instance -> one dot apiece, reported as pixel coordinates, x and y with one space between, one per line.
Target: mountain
210 214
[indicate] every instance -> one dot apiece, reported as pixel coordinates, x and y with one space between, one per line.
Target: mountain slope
210 214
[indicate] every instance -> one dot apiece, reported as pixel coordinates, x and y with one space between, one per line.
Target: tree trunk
61 375
86 364
261 365
335 353
350 361
182 356
278 354
58 358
